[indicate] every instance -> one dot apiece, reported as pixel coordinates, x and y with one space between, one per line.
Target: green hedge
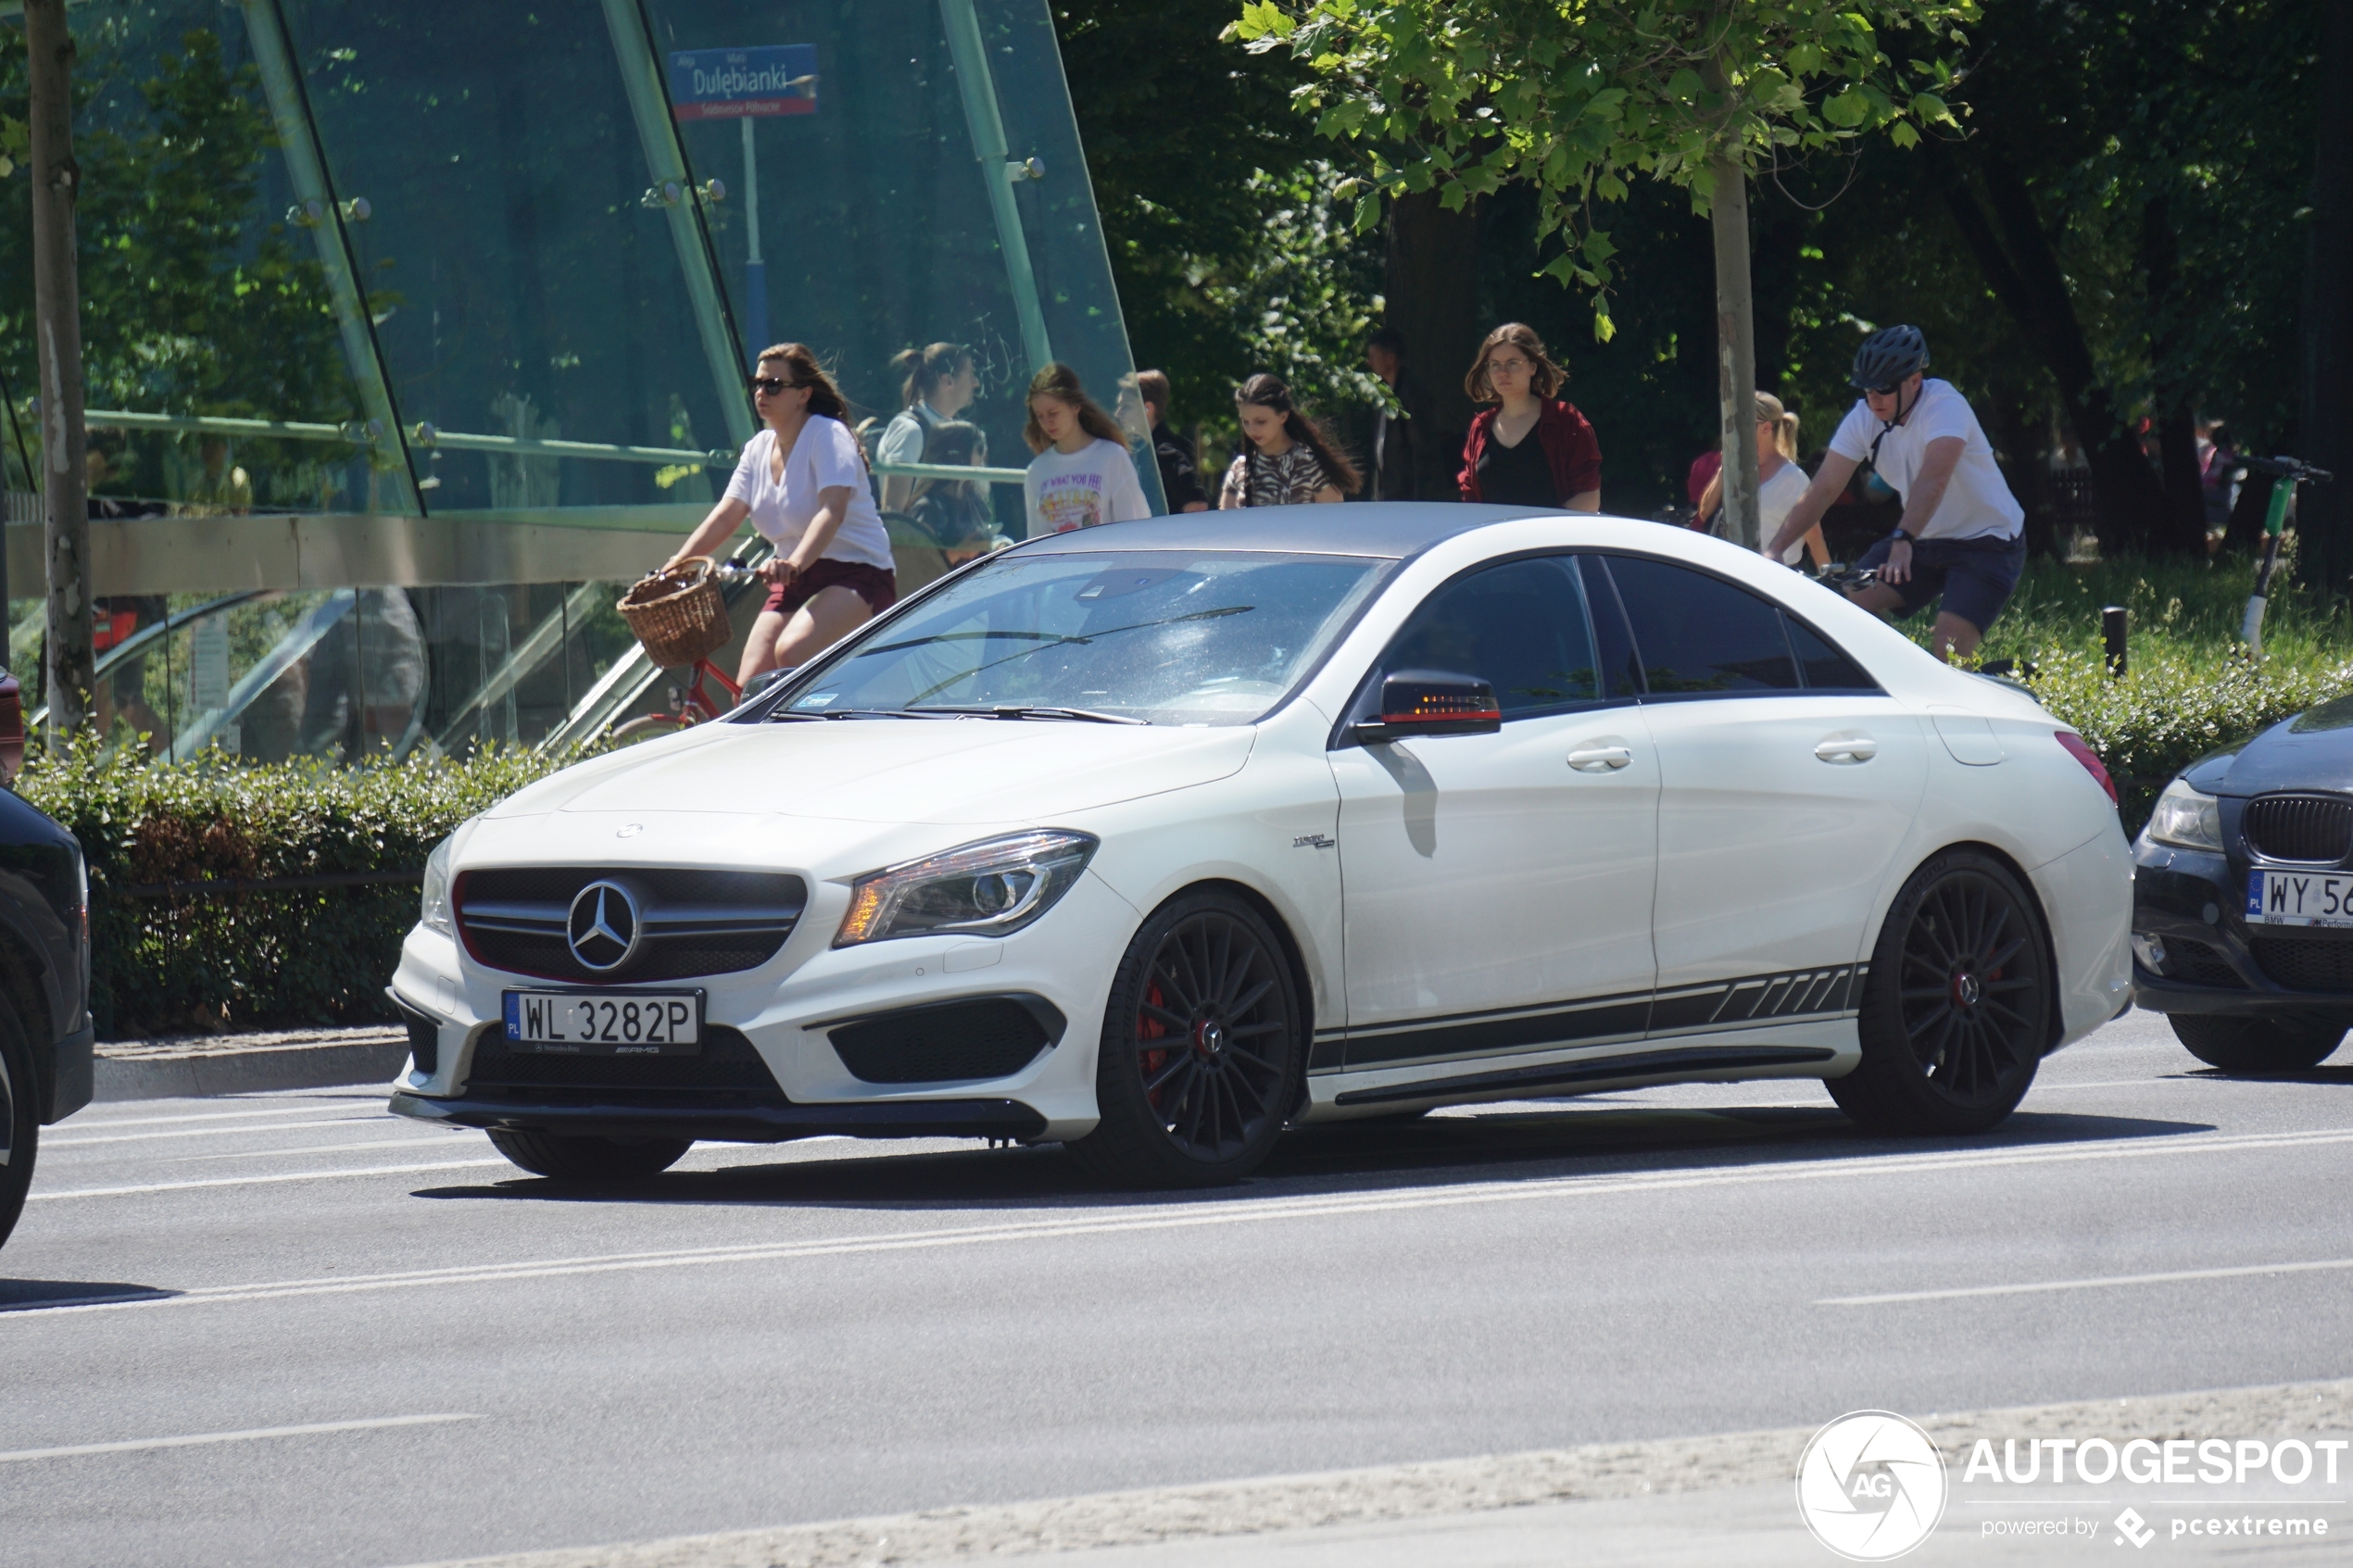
254 958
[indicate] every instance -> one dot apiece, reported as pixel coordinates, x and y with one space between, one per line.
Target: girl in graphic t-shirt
803 482
1288 458
1083 474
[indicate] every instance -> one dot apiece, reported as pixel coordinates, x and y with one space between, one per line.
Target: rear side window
1521 627
1698 635
1823 665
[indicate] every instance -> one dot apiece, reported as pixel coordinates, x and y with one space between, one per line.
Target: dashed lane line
51 1142
315 1429
1166 1218
2104 1282
258 1181
310 1108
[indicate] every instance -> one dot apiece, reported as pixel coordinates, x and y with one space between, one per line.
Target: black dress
1518 476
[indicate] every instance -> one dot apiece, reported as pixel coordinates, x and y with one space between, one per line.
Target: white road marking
52 1141
317 1429
1173 1217
414 1140
2102 1282
256 1181
89 1117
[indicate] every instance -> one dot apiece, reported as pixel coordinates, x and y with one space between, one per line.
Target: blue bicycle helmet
1887 356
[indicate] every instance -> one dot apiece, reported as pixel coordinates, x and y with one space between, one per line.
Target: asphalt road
479 1362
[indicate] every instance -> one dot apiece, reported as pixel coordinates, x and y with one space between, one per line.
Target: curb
258 1070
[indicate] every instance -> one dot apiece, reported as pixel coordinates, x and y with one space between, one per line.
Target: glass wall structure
413 332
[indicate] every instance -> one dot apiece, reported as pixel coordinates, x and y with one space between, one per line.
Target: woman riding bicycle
803 482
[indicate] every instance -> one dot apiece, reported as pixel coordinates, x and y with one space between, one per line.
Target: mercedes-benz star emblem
603 926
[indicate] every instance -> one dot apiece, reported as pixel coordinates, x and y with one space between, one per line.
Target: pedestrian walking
1083 474
1533 448
1287 458
1404 429
1962 534
1179 471
936 383
1783 484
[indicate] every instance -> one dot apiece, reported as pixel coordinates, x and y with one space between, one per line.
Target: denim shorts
1976 576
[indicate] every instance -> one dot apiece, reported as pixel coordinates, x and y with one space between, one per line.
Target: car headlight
991 888
2185 818
434 914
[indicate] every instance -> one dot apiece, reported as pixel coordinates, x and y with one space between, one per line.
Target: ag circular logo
1871 1486
603 926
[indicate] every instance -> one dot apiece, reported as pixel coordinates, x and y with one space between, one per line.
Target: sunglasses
771 387
1883 391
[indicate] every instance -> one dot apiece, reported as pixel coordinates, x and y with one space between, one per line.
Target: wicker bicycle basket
678 613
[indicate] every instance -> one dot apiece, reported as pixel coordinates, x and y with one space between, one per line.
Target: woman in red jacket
1532 449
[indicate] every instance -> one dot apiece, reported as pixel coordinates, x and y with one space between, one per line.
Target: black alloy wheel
19 1120
581 1157
2286 1042
1201 1057
1959 1004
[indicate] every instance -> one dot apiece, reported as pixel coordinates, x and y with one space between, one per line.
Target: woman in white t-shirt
1781 483
1083 474
939 384
803 482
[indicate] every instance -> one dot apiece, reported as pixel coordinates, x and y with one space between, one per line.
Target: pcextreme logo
1871 1486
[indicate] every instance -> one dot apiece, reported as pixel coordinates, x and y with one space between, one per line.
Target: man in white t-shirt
1962 533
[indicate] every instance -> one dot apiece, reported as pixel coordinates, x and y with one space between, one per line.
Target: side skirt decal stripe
1571 1074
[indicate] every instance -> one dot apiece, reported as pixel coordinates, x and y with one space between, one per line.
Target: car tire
1204 1049
19 1120
576 1157
2282 1043
1958 1006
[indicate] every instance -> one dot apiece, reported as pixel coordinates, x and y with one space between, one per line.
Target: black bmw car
2243 897
45 1038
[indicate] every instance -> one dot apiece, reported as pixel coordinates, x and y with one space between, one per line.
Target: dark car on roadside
45 1036
2243 897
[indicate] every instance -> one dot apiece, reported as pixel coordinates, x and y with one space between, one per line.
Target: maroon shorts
877 586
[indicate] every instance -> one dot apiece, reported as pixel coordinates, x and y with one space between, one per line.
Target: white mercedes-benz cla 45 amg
1151 839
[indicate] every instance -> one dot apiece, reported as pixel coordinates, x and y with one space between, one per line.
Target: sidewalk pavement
193 1065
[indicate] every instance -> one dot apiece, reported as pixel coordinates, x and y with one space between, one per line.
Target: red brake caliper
1151 1028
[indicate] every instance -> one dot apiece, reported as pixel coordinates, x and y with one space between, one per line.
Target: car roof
1390 529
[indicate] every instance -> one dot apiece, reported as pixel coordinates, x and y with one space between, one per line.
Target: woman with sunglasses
1531 449
803 482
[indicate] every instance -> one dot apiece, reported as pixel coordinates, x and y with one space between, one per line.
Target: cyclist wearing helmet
1962 532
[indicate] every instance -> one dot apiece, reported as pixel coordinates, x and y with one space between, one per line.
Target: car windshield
1160 637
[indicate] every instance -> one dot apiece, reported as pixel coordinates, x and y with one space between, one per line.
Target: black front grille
2313 829
728 1062
2306 963
697 923
986 1038
2199 964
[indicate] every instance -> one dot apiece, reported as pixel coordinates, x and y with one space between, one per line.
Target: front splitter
735 1123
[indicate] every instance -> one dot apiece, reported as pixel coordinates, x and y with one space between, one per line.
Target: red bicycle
680 616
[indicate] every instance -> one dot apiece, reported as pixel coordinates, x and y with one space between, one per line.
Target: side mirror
1431 702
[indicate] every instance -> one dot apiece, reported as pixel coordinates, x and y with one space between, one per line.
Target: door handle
1847 748
1601 759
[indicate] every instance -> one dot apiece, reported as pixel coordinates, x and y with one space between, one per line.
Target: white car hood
950 771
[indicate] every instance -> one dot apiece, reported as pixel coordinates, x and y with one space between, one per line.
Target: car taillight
2090 760
11 728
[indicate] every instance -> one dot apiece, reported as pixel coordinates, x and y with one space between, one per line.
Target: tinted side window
1521 627
1825 666
1621 667
1699 635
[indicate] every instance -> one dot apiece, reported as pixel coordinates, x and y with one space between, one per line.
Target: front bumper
727 1121
2193 902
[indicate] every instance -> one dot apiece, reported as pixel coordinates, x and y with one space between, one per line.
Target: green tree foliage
1576 99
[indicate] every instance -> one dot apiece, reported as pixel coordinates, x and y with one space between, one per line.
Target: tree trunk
1431 290
2015 254
2326 511
58 345
2179 525
1735 351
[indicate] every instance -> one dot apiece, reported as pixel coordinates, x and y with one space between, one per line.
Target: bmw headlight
991 888
2186 818
435 914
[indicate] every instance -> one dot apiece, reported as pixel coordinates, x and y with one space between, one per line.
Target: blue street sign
739 84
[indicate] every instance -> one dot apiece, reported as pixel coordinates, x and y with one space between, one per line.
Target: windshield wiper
1010 710
782 715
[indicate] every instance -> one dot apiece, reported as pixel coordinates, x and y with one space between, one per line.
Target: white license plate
606 1023
2299 898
